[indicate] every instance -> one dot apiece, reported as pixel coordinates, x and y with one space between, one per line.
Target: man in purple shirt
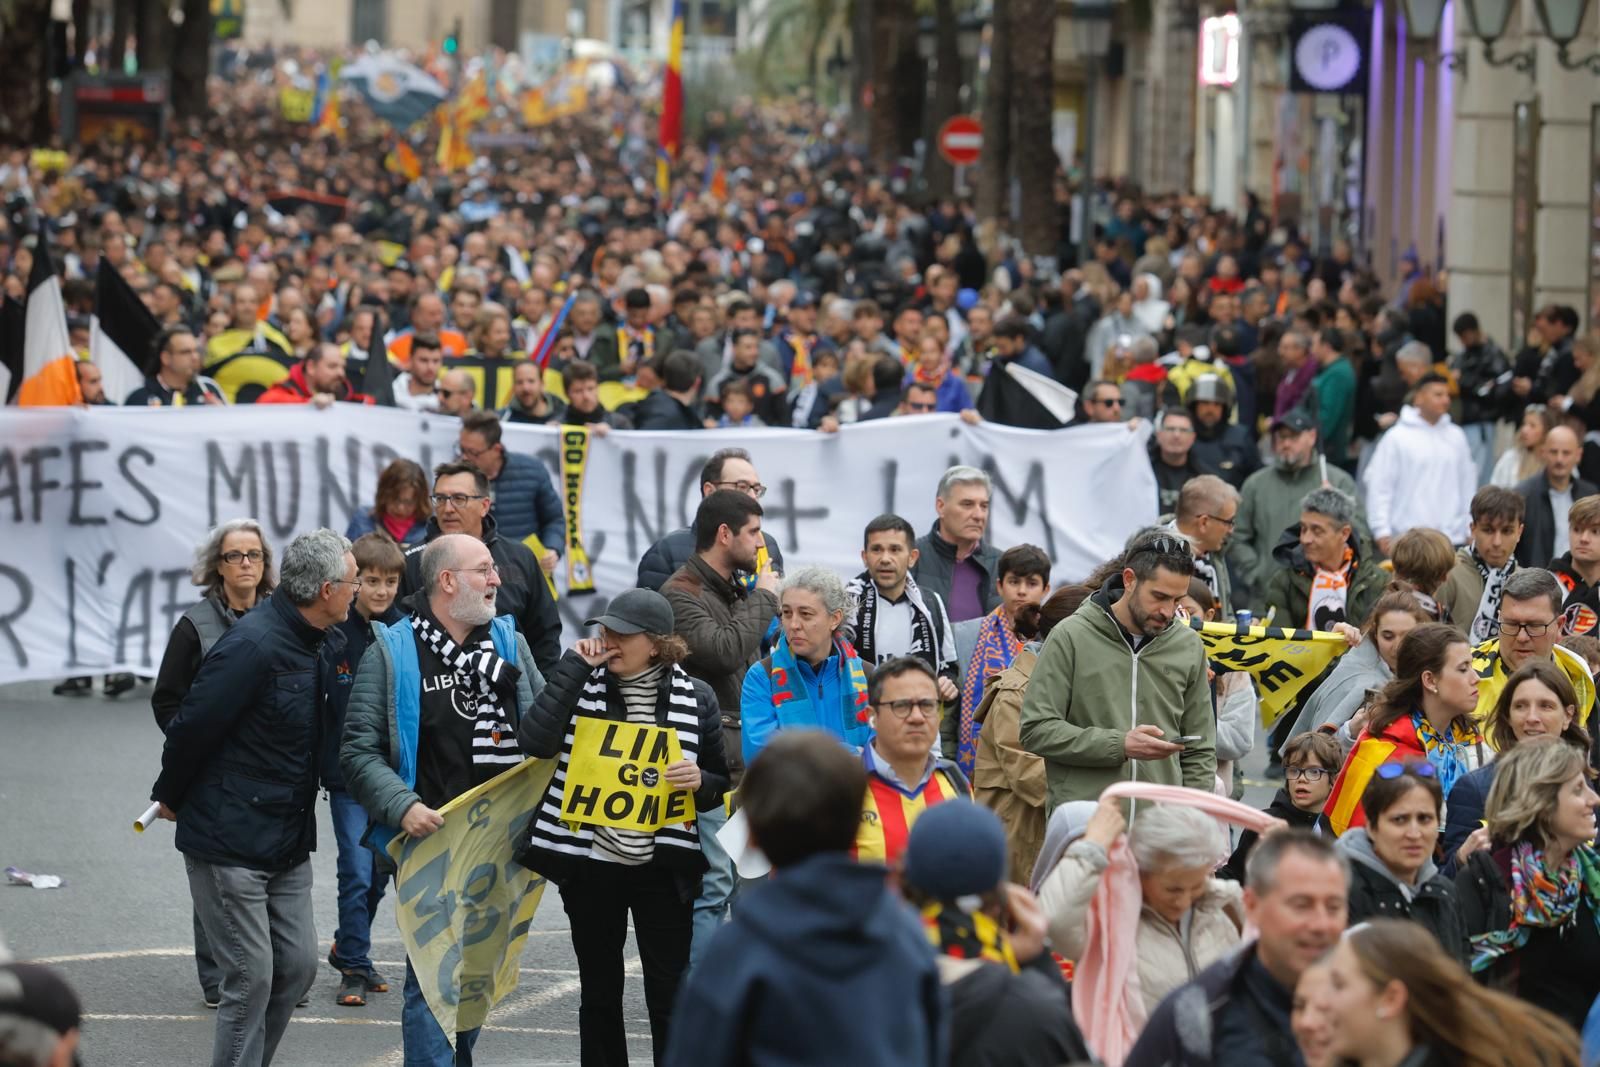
955 561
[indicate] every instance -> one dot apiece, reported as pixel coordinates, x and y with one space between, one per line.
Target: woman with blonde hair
1531 901
1521 461
1394 999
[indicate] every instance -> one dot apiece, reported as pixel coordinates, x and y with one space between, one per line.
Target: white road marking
154 953
123 1017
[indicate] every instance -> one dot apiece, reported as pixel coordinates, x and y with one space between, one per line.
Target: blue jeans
1480 439
422 1036
718 886
360 883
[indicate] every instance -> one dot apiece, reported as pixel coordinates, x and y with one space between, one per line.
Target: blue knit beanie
956 849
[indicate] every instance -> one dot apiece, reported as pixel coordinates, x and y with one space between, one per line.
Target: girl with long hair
1424 713
1394 998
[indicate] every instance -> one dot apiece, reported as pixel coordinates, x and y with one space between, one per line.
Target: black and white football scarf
924 645
1486 622
576 840
493 683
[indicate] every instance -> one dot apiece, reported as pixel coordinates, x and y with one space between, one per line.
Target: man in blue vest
433 713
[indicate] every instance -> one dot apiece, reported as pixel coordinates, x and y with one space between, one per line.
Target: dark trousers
598 901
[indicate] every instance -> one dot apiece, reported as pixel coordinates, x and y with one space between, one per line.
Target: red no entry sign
961 140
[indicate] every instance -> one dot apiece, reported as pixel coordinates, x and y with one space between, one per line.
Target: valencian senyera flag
464 905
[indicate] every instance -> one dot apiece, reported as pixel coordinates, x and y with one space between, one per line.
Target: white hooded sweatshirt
1421 475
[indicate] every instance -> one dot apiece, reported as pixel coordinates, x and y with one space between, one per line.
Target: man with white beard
457 678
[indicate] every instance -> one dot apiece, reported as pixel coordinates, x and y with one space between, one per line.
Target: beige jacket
1007 779
1166 959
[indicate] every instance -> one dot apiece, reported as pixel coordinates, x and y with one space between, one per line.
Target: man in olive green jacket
1120 691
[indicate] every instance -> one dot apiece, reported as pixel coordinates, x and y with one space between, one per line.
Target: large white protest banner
100 510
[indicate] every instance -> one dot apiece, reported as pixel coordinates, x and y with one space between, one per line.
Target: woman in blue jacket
401 509
813 679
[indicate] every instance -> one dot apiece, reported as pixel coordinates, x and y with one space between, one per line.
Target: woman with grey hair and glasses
233 568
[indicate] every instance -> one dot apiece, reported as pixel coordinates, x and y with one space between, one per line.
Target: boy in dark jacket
821 964
379 566
1311 761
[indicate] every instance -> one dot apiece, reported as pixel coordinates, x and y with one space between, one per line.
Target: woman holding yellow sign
639 745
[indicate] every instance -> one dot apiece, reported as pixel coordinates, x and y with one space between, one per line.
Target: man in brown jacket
1007 778
723 624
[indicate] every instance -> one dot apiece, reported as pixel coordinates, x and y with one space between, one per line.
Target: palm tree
1031 66
786 24
946 95
994 166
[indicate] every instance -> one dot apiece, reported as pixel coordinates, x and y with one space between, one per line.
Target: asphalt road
76 772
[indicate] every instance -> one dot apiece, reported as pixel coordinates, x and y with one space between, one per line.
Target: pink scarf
1106 999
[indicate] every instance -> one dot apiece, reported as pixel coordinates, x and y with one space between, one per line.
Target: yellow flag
616 777
1282 662
463 903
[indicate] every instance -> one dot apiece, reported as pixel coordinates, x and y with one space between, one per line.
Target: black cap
638 611
39 994
805 298
403 265
1298 420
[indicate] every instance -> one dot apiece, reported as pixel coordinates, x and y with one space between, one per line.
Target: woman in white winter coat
1188 919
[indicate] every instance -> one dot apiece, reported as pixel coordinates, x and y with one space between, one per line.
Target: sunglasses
1421 769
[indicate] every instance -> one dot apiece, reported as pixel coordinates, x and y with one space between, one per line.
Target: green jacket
1089 689
1288 591
1268 502
1336 404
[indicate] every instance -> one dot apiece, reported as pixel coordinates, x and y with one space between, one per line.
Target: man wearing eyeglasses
1207 508
906 774
1119 693
452 681
461 506
728 468
525 500
1531 629
919 398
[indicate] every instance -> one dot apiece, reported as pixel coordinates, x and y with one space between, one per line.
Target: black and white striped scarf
576 840
924 643
495 735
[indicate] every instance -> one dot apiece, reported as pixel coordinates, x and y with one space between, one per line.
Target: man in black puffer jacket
239 776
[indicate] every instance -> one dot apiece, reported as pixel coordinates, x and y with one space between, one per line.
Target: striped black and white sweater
556 849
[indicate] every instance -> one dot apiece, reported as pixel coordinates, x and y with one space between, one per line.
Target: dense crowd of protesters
1423 888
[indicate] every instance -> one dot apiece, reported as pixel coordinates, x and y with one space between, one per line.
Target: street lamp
1091 37
1488 20
1562 19
1424 19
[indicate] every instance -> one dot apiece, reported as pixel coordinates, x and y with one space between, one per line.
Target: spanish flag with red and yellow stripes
1397 744
889 811
670 136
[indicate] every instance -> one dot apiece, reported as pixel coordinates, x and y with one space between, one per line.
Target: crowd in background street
996 798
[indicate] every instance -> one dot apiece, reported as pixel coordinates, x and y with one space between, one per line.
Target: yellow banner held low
617 777
1282 662
464 904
